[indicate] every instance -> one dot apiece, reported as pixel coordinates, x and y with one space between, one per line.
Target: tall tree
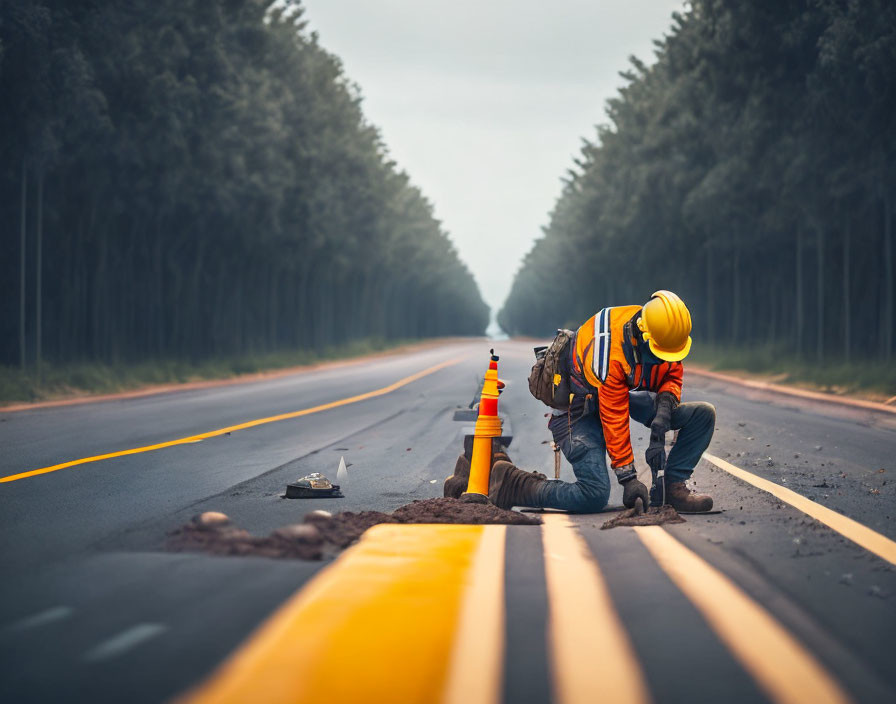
749 168
211 188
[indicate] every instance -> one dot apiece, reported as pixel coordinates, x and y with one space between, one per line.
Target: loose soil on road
654 516
323 534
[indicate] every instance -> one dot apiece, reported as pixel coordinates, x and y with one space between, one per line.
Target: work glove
656 450
632 487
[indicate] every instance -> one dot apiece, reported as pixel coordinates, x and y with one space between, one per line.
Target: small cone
342 472
488 426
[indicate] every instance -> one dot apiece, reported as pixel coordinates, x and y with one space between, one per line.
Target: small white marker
124 641
57 613
342 473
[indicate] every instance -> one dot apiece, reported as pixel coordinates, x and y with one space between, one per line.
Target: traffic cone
488 426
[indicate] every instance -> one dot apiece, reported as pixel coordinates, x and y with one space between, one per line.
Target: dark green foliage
751 169
210 188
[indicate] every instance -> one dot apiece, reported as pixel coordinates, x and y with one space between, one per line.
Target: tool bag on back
547 382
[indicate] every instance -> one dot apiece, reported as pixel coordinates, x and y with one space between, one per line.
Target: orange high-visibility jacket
604 362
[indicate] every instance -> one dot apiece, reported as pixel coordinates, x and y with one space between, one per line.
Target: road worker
623 362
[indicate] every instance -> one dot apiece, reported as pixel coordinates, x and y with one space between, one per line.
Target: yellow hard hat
665 324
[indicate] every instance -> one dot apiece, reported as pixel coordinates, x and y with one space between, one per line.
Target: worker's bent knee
704 409
590 500
696 412
575 497
705 412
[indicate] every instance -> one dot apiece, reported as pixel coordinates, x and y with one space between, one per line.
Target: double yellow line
592 658
860 534
233 428
781 666
416 614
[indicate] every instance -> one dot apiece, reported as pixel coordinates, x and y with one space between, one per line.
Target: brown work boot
510 486
456 484
683 499
499 452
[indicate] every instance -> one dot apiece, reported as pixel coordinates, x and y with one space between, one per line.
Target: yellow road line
591 656
376 626
860 534
476 670
241 426
782 667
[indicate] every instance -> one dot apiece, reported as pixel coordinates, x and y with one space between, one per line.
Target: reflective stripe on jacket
608 365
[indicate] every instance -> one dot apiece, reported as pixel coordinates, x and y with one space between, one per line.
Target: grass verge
871 379
58 381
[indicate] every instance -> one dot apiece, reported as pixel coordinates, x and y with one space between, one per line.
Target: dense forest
195 178
751 169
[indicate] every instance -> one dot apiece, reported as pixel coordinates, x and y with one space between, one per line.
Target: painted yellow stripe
376 626
860 534
591 656
782 667
241 426
476 671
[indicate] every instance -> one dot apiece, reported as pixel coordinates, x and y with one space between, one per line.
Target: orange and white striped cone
488 426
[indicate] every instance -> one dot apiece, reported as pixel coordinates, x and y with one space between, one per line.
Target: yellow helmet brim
670 355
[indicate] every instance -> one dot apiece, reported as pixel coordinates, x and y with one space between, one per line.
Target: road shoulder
760 384
157 389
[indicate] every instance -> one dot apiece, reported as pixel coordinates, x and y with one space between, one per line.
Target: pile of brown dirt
342 529
457 511
324 534
215 534
654 516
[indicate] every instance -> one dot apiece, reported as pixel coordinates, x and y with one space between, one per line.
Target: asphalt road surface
757 603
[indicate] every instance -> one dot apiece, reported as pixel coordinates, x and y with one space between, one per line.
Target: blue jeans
581 439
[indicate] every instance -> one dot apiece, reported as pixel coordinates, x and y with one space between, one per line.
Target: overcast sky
485 102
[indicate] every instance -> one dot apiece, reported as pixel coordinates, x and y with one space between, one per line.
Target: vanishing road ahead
773 599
